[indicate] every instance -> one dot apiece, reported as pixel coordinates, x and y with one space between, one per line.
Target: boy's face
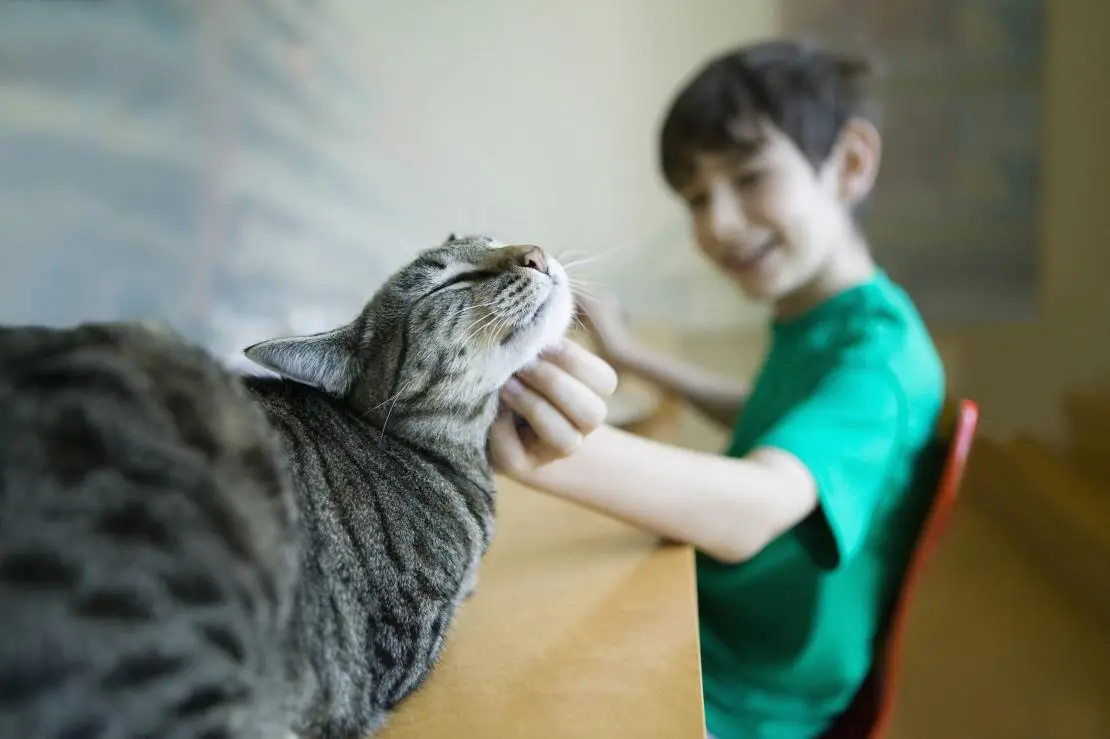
768 219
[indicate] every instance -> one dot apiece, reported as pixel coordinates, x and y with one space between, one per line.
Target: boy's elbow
737 550
747 524
741 543
730 556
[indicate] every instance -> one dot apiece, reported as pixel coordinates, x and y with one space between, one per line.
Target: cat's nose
533 258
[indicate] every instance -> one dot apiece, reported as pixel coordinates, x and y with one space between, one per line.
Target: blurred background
246 169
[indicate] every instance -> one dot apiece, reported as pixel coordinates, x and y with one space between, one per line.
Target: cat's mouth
529 321
548 320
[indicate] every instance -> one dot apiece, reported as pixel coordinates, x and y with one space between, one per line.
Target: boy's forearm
728 508
719 398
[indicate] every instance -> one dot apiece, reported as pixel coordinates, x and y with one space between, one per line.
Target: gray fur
185 553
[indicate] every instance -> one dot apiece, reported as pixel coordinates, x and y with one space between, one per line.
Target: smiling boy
804 526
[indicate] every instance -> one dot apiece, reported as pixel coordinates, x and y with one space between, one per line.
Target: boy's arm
829 454
717 397
728 508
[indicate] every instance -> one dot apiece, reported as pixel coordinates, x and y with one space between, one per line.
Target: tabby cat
188 553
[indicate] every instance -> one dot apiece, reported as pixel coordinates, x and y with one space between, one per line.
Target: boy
804 527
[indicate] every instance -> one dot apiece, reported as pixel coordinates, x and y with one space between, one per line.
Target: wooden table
580 627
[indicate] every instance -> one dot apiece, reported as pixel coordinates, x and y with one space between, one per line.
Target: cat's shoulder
128 373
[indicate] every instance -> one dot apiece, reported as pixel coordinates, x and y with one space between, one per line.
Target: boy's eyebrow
738 158
748 135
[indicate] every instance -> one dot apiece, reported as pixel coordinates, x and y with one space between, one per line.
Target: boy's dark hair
807 93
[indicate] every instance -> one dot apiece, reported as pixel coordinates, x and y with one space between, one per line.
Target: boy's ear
326 360
859 151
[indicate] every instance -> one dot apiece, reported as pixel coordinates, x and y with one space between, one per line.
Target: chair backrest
868 715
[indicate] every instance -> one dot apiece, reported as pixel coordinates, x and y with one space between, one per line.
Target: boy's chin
760 289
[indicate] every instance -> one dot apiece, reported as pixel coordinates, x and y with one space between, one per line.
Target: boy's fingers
582 364
550 426
581 405
506 451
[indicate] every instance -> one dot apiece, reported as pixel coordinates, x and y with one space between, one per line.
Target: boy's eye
747 180
697 201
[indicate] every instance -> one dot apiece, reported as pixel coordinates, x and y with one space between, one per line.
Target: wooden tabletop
580 627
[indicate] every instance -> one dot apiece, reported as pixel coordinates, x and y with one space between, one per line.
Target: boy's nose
727 218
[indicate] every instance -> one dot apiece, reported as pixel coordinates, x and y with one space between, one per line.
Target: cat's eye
476 275
466 278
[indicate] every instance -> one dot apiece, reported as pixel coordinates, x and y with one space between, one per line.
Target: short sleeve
845 432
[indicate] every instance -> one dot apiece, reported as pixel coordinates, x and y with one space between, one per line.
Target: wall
956 213
248 168
244 171
531 119
1019 373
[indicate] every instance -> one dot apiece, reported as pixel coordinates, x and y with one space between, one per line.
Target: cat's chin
548 331
551 325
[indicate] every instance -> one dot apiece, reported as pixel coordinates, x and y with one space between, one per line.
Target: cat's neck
461 431
458 432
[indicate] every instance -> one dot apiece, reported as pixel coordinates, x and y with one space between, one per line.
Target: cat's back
147 543
394 532
121 378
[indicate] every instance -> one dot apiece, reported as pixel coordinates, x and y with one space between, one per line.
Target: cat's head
446 330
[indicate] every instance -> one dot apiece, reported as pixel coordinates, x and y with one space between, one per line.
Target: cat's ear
325 360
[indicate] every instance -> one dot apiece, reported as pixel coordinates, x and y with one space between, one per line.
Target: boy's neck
849 266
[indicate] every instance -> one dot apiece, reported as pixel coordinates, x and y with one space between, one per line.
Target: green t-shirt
853 389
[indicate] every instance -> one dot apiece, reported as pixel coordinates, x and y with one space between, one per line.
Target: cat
187 552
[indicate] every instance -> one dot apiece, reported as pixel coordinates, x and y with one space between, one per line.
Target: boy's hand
604 318
548 408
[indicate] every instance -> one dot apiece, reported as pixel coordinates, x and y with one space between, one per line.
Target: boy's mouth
749 259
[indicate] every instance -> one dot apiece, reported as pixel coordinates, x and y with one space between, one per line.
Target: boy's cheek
703 239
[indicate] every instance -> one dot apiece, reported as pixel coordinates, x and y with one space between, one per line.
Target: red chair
868 715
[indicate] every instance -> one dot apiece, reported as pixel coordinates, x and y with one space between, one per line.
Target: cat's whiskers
468 308
582 279
580 283
391 399
567 256
581 262
590 253
487 320
464 311
575 269
584 290
396 397
495 329
477 326
503 323
503 317
474 327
